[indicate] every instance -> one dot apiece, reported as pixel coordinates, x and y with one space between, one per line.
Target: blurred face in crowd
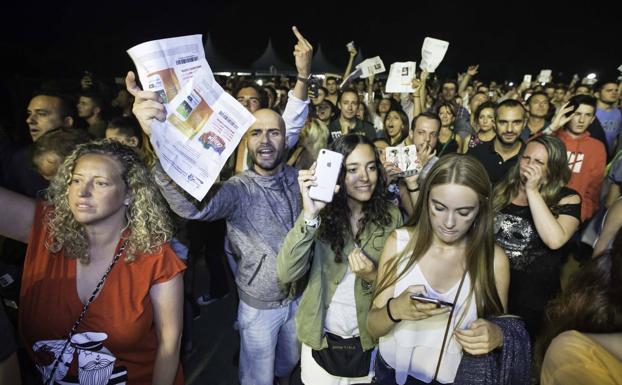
559 95
249 98
447 117
538 106
393 125
44 114
331 86
47 164
361 173
425 133
581 119
483 89
449 91
113 133
384 105
509 123
608 94
122 100
360 111
550 92
87 107
583 90
266 143
477 100
324 111
348 104
486 120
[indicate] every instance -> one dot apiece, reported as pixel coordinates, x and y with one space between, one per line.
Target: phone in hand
327 171
439 303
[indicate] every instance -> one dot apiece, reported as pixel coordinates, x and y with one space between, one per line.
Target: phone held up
326 173
439 303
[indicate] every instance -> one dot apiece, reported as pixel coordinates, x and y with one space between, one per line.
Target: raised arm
352 51
18 212
613 222
464 82
297 107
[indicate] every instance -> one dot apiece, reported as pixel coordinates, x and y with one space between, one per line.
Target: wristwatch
313 223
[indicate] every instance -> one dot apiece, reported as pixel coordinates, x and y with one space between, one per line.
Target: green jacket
295 259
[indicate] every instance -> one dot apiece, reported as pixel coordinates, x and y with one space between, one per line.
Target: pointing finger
298 34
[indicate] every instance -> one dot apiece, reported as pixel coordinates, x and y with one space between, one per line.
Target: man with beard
500 154
260 206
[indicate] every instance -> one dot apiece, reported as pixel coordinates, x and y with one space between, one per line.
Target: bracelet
303 79
389 312
414 190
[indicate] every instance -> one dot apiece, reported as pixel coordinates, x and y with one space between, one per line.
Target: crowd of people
453 273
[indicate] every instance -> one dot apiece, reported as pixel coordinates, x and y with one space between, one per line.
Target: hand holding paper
432 53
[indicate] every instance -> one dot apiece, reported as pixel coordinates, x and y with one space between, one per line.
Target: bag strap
76 324
451 313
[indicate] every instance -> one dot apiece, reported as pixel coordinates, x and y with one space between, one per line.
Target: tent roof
270 63
320 63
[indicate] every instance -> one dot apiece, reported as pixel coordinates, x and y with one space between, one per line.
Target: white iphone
326 172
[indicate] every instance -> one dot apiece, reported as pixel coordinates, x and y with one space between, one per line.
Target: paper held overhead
545 76
432 53
401 75
371 66
203 125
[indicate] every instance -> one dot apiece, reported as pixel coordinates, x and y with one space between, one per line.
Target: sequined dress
534 267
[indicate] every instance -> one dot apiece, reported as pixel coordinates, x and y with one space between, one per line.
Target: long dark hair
335 228
479 253
592 300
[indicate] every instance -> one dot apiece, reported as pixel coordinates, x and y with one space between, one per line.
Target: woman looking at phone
446 252
338 244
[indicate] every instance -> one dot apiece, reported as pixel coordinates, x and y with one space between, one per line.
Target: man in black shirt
347 121
500 154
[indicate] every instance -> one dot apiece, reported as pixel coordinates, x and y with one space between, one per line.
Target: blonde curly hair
147 214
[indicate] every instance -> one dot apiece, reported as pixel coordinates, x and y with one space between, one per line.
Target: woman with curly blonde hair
101 296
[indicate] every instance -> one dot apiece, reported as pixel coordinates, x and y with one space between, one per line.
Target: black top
361 127
449 147
492 161
534 267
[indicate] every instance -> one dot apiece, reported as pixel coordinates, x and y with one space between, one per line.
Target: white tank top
341 316
413 347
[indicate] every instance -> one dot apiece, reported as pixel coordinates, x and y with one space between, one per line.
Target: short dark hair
331 78
427 115
599 86
263 99
577 100
127 126
483 106
67 108
509 103
349 89
61 141
450 81
97 98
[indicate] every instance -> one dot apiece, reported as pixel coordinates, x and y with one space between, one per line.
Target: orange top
575 359
117 337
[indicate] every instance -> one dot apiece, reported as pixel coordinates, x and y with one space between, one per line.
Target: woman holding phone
338 245
446 253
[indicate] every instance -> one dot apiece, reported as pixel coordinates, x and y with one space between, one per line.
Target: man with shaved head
260 206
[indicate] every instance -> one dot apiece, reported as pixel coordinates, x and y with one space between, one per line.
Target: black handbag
344 357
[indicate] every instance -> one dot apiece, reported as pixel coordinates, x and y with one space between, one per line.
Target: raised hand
480 338
147 104
310 207
533 177
303 54
472 70
560 119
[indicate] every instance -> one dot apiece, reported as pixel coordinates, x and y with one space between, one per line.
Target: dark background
508 39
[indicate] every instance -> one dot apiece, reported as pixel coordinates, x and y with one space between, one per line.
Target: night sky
508 39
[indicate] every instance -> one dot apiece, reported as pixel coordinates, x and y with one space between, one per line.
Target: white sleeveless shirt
413 347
